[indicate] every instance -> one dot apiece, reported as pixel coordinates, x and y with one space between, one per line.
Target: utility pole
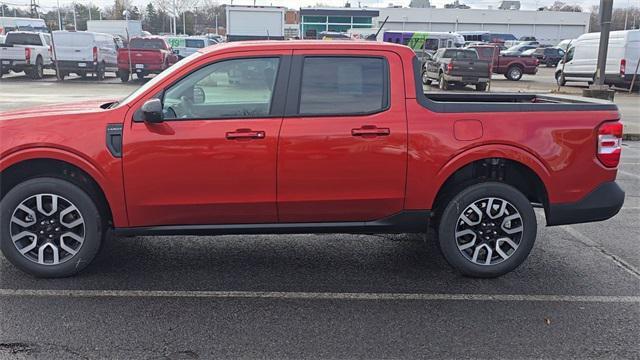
216 21
33 9
195 21
89 11
75 24
598 89
59 17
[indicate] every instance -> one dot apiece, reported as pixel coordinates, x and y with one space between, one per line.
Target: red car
511 66
144 56
303 137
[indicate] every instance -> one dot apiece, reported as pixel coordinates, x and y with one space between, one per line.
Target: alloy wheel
47 229
489 231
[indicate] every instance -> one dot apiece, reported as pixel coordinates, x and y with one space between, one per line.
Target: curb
631 137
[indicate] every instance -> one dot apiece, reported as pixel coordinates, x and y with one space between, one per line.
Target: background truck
144 56
456 66
357 147
26 51
512 67
125 29
85 52
255 22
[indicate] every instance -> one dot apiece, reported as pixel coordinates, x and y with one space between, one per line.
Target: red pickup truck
144 56
304 137
512 66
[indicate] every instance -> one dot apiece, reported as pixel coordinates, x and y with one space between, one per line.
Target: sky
480 4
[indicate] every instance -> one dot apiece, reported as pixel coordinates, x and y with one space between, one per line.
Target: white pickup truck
26 51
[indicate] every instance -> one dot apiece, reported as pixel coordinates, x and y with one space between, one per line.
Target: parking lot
331 296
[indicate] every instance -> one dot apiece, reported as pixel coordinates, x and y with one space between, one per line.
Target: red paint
301 168
154 60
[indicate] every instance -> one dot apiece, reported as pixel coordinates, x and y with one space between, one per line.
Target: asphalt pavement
328 296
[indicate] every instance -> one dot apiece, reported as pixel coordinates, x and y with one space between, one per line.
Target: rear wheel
38 71
49 227
514 73
124 75
481 87
443 84
487 230
100 71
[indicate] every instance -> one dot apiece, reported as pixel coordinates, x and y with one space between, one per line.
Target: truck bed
501 102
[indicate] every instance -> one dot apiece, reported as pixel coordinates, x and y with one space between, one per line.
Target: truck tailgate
472 69
141 56
12 53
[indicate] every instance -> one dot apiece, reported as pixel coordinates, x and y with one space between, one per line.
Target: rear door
342 153
74 46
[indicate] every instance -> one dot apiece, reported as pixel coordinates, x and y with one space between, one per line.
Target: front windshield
158 78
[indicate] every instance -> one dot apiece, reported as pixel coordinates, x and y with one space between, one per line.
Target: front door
213 159
342 154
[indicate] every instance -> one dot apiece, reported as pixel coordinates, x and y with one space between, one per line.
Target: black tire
425 79
481 87
82 74
92 227
450 221
38 71
124 75
100 71
514 73
560 78
140 76
442 83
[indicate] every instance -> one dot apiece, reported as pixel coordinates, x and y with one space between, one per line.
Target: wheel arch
57 163
507 164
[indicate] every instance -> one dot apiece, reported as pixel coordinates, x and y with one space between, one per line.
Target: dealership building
315 20
549 27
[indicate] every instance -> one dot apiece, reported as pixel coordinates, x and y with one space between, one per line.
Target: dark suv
549 56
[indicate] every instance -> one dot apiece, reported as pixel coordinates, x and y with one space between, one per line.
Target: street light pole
59 17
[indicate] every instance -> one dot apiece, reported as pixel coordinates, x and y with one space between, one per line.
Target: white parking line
629 174
587 241
314 295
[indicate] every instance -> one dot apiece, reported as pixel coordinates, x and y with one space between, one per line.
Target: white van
582 59
84 52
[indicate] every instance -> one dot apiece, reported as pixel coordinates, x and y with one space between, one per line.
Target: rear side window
343 86
147 44
23 39
194 43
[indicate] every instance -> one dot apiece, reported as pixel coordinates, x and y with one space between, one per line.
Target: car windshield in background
146 44
529 52
23 39
194 43
461 54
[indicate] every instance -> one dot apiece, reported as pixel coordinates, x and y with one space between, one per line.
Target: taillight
27 55
95 54
536 61
610 143
449 67
623 66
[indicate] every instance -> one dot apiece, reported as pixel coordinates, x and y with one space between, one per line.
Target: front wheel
487 230
560 79
49 227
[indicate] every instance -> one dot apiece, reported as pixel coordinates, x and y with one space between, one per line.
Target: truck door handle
370 130
245 134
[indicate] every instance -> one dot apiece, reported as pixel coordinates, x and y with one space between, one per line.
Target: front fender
108 178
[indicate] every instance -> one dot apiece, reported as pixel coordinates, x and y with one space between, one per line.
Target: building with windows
313 21
549 27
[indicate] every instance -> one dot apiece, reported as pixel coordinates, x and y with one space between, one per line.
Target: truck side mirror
152 111
199 96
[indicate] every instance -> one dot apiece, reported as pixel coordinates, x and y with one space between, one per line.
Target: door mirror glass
152 111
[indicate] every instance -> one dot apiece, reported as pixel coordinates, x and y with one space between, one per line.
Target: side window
343 85
431 44
238 88
570 53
